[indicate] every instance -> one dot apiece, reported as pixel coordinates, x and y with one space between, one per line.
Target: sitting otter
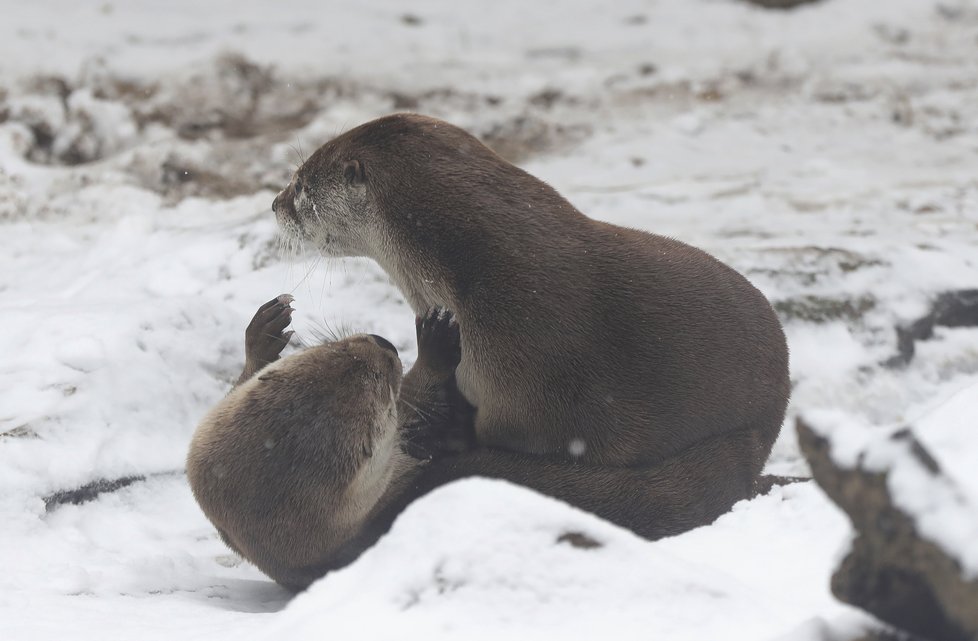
627 373
303 465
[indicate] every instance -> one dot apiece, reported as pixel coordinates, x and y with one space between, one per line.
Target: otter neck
441 246
373 479
424 286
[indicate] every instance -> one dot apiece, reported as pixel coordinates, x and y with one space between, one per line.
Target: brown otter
627 373
302 466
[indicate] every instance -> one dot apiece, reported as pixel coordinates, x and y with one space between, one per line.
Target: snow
829 153
496 567
944 430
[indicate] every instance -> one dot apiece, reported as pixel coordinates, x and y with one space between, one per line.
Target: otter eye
297 186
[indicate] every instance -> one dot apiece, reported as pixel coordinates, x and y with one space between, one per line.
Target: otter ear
354 173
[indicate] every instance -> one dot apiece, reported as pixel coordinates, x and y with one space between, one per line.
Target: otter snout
284 204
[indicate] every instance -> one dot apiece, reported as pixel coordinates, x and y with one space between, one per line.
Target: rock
94 490
958 308
894 570
88 492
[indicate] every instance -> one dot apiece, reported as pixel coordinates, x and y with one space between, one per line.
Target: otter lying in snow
305 462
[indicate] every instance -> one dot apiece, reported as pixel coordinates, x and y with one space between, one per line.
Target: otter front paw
428 438
435 419
439 341
265 338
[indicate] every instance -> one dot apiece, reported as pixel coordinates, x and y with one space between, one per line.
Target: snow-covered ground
830 153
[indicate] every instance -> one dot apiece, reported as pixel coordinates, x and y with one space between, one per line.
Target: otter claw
265 337
439 340
281 299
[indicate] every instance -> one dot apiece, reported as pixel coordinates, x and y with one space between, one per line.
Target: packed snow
830 153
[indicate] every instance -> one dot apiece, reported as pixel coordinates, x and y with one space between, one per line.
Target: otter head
426 200
388 184
338 399
325 204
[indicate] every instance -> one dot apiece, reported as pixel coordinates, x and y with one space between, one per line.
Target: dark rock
579 540
891 571
88 492
957 308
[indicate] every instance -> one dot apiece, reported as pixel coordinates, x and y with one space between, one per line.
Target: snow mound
479 559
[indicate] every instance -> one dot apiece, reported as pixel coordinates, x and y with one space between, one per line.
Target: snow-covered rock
914 559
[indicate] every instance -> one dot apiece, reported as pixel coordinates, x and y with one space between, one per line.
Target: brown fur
279 465
303 465
625 372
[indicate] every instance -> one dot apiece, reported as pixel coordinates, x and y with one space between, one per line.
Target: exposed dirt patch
180 179
236 99
21 431
218 131
522 137
823 309
808 265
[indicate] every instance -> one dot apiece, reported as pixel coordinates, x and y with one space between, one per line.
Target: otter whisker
328 334
430 414
417 410
298 154
312 268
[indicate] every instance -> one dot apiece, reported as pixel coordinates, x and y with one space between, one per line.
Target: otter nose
283 202
383 342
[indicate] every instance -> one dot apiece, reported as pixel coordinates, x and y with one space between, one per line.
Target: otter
624 372
303 465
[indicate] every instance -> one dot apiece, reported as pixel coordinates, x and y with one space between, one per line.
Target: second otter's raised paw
265 337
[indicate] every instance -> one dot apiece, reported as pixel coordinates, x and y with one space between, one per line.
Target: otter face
325 204
328 414
289 464
351 388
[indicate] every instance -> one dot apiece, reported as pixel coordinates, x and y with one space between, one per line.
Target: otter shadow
255 596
